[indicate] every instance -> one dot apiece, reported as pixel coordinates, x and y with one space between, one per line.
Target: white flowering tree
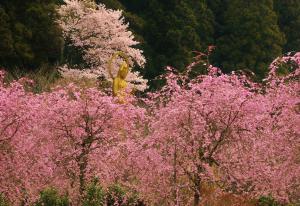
99 32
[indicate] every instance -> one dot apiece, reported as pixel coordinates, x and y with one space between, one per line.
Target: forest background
248 35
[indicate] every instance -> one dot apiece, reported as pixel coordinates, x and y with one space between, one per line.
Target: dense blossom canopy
214 129
226 130
59 139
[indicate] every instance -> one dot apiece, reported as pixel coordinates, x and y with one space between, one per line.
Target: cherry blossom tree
100 33
220 129
60 139
226 130
84 127
23 163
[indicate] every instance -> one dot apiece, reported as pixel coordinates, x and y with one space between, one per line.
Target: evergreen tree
289 22
172 31
205 22
29 32
218 7
6 43
251 37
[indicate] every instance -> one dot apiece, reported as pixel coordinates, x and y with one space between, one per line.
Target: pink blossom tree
226 130
215 129
23 164
60 139
83 127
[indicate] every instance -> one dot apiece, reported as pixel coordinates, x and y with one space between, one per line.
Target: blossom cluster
218 129
100 33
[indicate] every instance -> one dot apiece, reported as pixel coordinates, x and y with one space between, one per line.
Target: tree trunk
197 183
82 163
175 177
197 198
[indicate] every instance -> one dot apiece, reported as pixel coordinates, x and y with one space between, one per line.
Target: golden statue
119 82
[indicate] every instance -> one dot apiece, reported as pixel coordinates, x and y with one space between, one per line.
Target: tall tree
31 36
220 130
173 30
100 33
6 43
218 7
289 22
205 22
251 37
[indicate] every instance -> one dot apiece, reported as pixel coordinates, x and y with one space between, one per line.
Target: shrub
118 195
50 197
95 195
267 201
3 200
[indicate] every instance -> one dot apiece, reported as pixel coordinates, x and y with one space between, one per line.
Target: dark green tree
50 197
95 194
218 8
29 35
173 30
251 37
3 200
46 42
289 22
205 22
6 38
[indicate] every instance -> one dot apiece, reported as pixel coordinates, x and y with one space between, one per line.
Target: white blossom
100 33
135 81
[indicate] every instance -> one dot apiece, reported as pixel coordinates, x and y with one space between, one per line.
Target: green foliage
289 22
118 195
285 68
267 201
205 22
73 56
29 35
218 8
3 200
173 30
6 43
50 197
115 194
95 195
270 201
43 79
251 37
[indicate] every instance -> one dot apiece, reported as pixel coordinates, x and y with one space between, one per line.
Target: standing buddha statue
119 82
